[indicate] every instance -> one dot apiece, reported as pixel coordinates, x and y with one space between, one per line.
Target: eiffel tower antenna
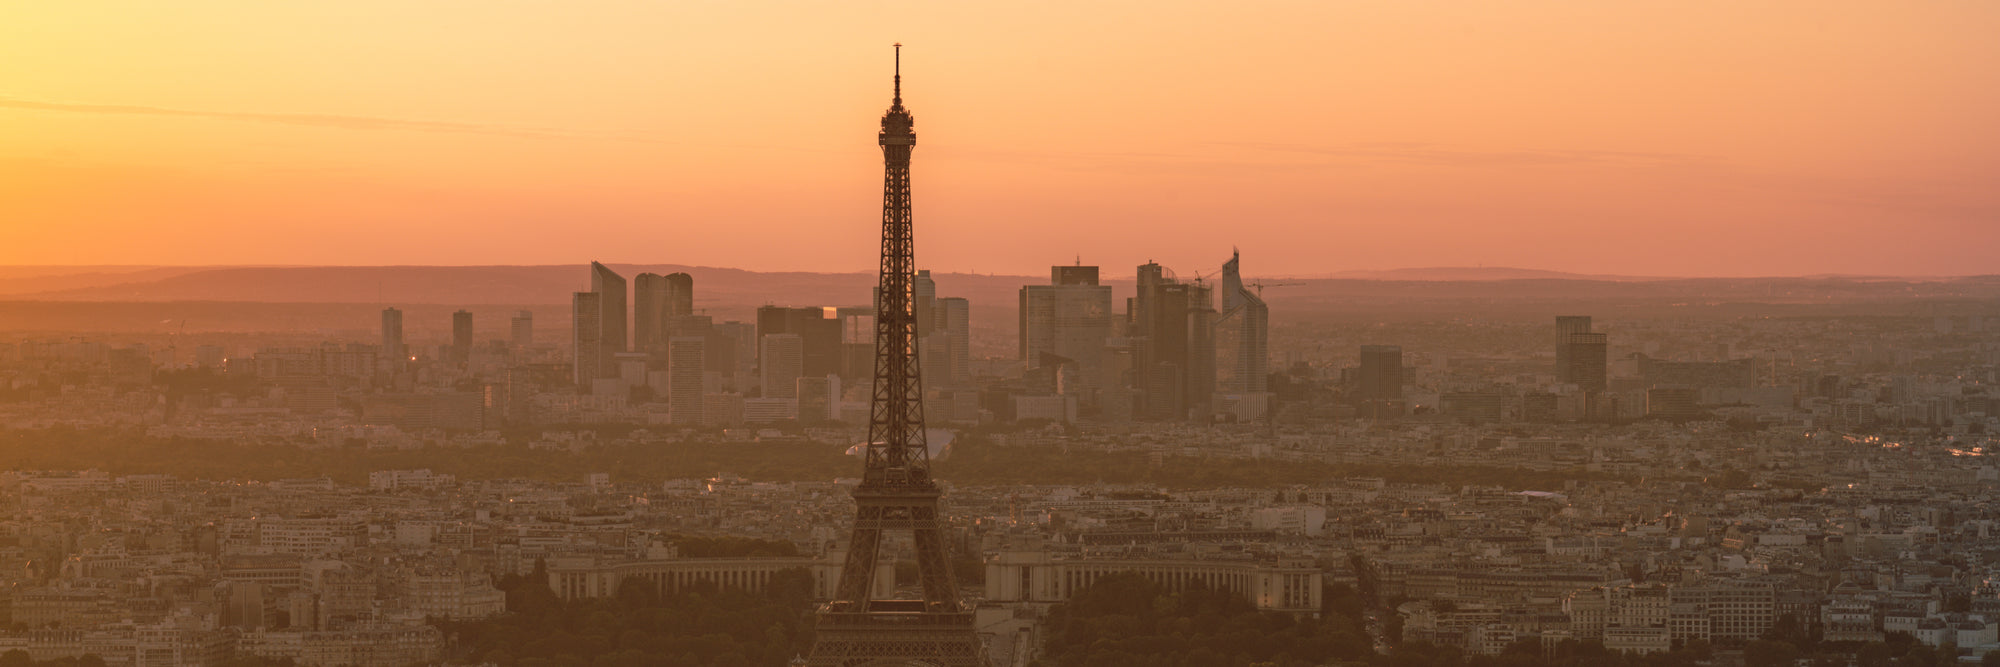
896 490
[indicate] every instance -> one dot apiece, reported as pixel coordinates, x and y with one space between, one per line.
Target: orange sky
1634 137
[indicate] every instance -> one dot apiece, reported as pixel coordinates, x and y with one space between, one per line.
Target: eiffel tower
896 490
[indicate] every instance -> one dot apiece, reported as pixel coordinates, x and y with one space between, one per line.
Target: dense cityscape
618 464
1648 486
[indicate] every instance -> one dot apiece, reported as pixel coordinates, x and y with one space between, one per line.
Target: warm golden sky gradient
1635 137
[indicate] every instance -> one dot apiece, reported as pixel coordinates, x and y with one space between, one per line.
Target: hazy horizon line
1347 274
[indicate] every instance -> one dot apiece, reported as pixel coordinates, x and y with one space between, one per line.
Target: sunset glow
1705 138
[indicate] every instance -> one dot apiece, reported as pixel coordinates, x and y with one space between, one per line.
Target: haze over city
1284 334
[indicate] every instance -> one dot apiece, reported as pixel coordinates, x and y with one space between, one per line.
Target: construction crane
1260 287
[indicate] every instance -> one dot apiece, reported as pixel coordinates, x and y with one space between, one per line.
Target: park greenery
1128 620
1787 644
699 626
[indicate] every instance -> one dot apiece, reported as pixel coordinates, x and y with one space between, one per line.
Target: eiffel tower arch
896 491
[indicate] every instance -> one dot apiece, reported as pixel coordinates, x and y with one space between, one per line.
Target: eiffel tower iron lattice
896 490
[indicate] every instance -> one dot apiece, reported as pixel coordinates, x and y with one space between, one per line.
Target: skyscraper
721 348
392 337
649 308
819 332
955 323
934 360
524 329
1585 361
461 336
1566 325
1242 333
781 362
687 366
1160 327
776 320
1198 392
1381 380
611 317
657 301
587 339
1068 321
924 302
857 342
680 295
740 346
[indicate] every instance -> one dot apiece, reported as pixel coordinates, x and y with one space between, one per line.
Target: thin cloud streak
309 120
1432 154
1264 156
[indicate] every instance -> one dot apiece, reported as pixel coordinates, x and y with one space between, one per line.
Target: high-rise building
461 336
649 308
587 338
1566 325
1067 322
955 323
687 366
781 363
819 332
1381 379
741 346
524 329
392 337
776 320
857 342
934 361
1242 336
1159 317
1585 361
657 301
680 295
1198 389
720 350
1077 274
924 302
611 317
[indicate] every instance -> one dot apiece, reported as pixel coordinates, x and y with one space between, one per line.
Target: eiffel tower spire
896 490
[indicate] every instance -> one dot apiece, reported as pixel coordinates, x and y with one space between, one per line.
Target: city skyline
679 465
1684 141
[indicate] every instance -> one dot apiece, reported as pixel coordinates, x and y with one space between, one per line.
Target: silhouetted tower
1567 325
461 336
896 490
392 337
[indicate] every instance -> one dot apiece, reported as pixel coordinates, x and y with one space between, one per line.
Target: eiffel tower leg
933 566
857 575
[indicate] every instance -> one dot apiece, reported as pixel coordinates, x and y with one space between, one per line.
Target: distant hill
732 292
1469 273
16 280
